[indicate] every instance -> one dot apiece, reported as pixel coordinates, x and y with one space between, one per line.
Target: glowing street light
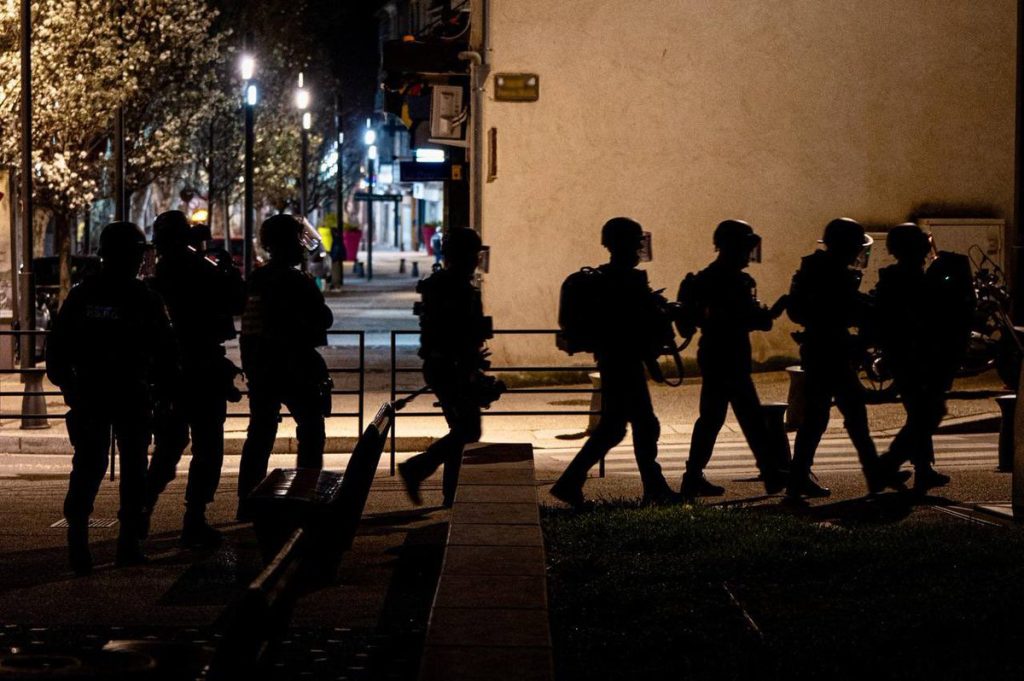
247 69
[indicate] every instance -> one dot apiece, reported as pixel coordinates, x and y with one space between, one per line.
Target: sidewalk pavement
677 408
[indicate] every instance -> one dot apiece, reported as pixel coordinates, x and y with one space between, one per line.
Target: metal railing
359 392
397 392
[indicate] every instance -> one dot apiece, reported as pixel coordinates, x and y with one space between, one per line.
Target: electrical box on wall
447 116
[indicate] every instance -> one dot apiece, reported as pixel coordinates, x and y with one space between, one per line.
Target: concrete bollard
415 269
595 402
795 398
773 414
1007 406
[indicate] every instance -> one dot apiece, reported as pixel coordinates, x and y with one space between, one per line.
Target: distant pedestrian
202 298
338 256
721 301
285 321
824 298
916 318
618 322
453 331
112 354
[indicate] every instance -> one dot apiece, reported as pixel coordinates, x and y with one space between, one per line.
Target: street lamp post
30 403
248 68
370 139
302 103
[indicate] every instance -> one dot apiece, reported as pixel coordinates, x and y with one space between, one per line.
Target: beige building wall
681 113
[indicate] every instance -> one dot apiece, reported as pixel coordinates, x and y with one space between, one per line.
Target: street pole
369 218
249 217
30 404
339 184
302 171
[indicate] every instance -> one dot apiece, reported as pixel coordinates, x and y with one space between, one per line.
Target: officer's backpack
580 311
951 284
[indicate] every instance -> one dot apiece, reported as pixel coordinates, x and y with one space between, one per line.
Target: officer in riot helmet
453 333
112 354
721 301
824 299
624 341
202 298
910 317
284 322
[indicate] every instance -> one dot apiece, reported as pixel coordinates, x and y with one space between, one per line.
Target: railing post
394 422
1007 407
362 381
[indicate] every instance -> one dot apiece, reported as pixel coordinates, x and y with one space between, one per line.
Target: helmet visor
646 250
864 256
483 262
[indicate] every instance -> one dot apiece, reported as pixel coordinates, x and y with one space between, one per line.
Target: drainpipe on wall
476 144
478 68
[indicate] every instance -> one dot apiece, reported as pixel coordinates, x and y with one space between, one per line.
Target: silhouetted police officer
626 343
112 354
284 322
909 315
202 299
453 331
721 300
824 298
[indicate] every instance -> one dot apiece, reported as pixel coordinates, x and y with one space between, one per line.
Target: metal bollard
1007 407
795 398
401 266
33 407
357 269
778 442
415 269
1017 481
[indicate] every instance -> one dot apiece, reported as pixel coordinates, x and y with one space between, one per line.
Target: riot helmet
171 231
624 239
281 236
847 239
736 237
907 242
122 245
461 248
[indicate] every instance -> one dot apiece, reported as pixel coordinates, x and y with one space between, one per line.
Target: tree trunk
62 236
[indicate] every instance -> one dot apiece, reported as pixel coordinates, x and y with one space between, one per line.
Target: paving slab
494 560
495 535
488 627
497 494
492 591
457 663
496 513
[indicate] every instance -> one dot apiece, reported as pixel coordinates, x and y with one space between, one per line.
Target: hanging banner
6 248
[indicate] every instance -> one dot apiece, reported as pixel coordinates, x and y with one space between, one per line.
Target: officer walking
453 331
111 352
626 340
910 324
202 299
721 300
825 300
284 322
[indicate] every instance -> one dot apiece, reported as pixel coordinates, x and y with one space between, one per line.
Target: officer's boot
196 533
79 555
129 546
696 485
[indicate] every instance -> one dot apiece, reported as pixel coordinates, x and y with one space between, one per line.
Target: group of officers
918 317
144 360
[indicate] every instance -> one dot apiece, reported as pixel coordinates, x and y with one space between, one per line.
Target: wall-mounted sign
516 87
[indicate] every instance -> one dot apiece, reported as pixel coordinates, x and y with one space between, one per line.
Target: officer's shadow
879 509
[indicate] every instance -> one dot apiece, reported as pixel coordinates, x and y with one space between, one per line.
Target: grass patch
711 593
